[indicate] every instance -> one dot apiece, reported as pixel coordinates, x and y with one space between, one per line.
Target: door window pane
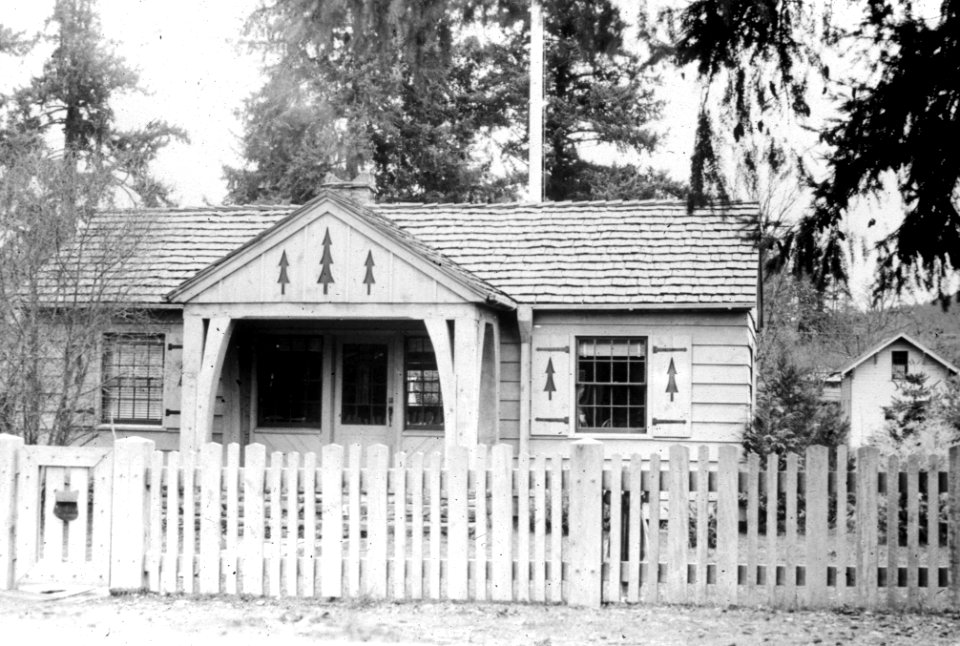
289 379
423 399
364 388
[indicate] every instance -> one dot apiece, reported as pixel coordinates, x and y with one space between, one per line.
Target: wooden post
128 533
867 534
586 524
443 351
10 446
501 522
214 352
331 521
727 531
468 336
192 354
678 523
817 469
458 548
525 324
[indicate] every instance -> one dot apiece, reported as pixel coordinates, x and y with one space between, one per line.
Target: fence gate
64 500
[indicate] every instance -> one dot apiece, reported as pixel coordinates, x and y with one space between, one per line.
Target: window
900 358
363 398
289 379
612 385
422 396
132 390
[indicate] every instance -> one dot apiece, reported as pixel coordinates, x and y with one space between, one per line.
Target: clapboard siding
509 379
721 370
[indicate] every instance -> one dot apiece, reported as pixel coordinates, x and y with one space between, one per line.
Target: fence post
10 446
867 531
128 516
585 584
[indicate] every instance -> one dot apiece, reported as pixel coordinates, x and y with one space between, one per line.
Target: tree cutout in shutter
283 279
326 276
550 387
368 279
672 382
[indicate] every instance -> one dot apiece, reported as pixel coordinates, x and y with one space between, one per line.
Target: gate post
585 522
128 516
10 446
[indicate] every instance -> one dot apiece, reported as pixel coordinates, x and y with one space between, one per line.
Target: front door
364 400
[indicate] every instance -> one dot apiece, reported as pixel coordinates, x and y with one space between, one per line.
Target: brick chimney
362 189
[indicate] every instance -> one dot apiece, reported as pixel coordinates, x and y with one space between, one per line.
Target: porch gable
332 250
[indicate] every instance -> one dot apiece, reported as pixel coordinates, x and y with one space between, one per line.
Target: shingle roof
554 253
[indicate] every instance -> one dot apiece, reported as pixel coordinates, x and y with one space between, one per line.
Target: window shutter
551 384
669 382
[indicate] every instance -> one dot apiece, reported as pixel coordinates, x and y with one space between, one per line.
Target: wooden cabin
426 325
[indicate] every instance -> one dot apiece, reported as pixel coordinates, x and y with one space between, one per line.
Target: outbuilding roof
614 254
890 341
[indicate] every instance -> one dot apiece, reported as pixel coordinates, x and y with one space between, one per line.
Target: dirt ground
149 619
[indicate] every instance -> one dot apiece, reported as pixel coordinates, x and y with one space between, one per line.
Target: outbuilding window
900 360
423 398
289 380
132 391
612 384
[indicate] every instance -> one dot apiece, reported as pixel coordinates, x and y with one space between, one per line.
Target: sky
195 73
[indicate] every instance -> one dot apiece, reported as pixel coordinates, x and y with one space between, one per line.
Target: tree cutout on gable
326 276
550 387
283 279
368 279
672 380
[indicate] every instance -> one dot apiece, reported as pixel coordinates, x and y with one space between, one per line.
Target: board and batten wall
721 380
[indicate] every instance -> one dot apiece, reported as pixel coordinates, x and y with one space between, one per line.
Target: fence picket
292 485
275 546
772 528
556 530
400 527
308 561
635 532
187 560
540 528
703 521
231 477
727 531
893 529
480 523
211 457
434 471
523 527
78 530
913 529
353 522
790 533
10 449
171 551
815 524
458 463
586 524
933 530
953 523
52 548
378 461
651 586
331 521
501 517
750 594
867 535
254 469
416 525
843 557
615 541
678 523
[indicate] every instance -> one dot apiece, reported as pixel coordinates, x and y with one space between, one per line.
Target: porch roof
615 254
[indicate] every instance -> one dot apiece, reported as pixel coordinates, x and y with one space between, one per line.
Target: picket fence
821 530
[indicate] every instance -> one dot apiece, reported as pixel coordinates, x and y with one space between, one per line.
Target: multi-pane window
422 396
364 386
612 384
289 379
132 391
900 359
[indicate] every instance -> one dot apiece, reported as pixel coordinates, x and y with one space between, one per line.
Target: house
870 382
420 326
